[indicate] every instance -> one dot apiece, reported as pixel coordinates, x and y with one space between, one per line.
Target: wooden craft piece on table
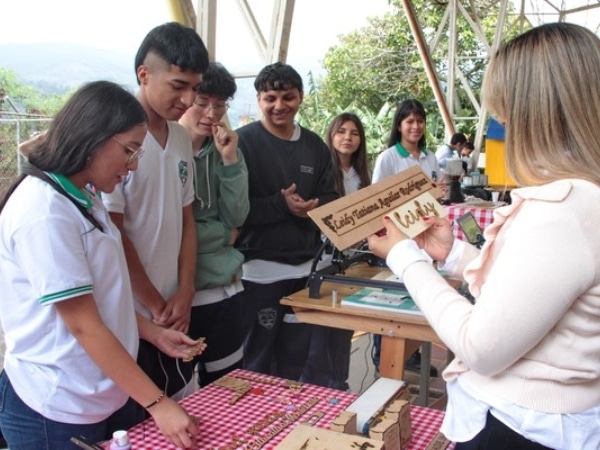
258 379
439 442
195 350
388 431
262 424
295 386
371 404
285 422
399 411
344 422
241 387
239 393
314 418
231 383
306 437
356 216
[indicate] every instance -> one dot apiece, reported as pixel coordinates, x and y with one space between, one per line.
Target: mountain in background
57 68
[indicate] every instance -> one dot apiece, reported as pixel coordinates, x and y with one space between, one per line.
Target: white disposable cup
495 196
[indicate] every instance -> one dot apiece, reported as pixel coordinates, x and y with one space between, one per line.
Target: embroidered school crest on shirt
266 317
183 171
307 169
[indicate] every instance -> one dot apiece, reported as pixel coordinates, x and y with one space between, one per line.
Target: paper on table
383 299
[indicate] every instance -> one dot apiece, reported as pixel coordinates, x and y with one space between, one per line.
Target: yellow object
177 13
495 164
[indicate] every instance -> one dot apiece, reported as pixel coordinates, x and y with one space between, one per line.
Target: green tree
27 99
23 110
380 65
316 116
372 66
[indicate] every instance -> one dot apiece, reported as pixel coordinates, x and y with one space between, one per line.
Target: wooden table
401 334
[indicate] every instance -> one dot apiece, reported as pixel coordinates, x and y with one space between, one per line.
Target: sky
120 26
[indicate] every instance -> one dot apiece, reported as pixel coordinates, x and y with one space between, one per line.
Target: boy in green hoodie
220 206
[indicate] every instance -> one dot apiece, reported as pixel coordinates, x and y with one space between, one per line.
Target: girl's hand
35 140
174 423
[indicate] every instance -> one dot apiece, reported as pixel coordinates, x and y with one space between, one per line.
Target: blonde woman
527 372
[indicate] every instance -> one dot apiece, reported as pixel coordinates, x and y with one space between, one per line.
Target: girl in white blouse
348 147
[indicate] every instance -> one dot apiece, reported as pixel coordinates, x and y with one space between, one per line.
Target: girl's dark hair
359 157
176 44
93 114
406 108
217 81
90 117
278 77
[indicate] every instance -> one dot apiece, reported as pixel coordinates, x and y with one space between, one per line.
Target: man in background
466 155
452 150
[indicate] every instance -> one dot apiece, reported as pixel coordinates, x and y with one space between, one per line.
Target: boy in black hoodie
290 173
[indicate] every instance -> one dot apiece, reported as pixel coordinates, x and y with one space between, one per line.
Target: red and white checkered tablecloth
425 423
483 216
220 420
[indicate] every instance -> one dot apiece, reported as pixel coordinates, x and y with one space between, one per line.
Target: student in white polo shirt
153 206
406 144
407 148
66 306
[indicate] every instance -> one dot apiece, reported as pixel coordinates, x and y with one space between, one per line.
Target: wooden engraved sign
405 197
407 217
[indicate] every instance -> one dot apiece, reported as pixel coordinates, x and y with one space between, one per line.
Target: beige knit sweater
533 336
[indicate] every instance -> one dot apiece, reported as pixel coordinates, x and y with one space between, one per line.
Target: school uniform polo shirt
396 159
50 253
151 200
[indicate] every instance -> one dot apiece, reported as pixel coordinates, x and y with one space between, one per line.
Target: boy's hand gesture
226 141
296 204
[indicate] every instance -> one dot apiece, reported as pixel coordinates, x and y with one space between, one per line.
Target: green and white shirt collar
70 189
404 153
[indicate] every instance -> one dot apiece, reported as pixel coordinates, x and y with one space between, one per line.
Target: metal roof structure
272 42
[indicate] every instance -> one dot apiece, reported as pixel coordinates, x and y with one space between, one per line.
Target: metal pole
451 81
429 68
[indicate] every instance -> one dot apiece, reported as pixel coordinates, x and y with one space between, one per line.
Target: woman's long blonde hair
545 86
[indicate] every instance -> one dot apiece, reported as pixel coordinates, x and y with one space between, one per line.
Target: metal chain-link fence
14 131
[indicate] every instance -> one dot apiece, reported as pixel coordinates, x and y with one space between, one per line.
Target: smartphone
471 229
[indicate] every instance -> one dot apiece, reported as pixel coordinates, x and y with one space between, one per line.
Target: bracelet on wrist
155 402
